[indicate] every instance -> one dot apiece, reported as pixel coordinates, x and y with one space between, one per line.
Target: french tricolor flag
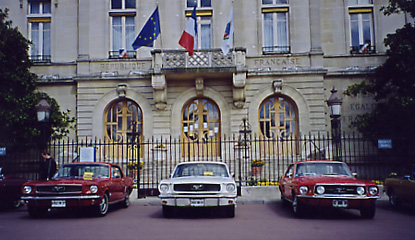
188 37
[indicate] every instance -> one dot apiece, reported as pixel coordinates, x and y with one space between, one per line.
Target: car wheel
168 211
37 212
368 212
102 208
298 208
126 201
229 211
393 199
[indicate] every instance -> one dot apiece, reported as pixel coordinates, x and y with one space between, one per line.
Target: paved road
252 221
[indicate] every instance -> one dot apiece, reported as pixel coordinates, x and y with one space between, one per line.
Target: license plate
340 203
58 203
197 202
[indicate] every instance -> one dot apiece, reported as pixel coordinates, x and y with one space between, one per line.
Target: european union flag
150 31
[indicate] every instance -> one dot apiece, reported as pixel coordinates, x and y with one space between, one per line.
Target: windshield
201 169
308 169
83 171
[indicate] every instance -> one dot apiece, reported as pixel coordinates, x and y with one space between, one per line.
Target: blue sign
384 143
2 151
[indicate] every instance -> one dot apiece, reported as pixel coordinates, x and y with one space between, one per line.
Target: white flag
227 42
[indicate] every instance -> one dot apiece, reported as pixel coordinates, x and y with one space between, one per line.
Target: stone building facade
287 56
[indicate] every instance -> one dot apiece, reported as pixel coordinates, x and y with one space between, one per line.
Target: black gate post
245 129
135 144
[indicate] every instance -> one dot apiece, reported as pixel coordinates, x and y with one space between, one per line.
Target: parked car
400 186
327 184
10 192
89 184
199 185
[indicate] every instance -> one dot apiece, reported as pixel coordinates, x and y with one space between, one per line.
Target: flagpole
161 37
233 37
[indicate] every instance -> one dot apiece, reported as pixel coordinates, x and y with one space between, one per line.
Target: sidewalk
256 195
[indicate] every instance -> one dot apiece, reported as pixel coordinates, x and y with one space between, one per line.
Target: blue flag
150 31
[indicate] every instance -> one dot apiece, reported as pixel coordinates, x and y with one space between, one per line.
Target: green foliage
18 96
392 84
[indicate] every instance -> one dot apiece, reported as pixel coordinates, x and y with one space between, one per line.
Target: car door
407 186
287 182
117 186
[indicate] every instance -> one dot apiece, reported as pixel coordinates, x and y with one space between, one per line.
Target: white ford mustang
199 185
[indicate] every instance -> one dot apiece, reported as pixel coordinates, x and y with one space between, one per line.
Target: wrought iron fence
158 157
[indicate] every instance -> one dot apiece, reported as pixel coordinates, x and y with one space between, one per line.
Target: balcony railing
116 54
276 50
199 59
362 49
40 58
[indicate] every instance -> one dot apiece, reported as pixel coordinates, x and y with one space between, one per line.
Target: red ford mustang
327 184
93 185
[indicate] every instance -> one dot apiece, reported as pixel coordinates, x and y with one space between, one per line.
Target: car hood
194 179
332 179
68 180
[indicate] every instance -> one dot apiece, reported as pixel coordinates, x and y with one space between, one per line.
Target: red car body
326 183
89 184
10 189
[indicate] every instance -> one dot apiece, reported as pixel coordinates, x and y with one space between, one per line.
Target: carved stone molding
122 90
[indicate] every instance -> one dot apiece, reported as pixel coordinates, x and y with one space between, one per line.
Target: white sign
87 154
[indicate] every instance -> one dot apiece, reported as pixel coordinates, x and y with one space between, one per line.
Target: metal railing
159 156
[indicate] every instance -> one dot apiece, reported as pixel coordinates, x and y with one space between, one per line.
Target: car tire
168 211
229 211
369 212
393 199
126 201
297 207
35 212
102 208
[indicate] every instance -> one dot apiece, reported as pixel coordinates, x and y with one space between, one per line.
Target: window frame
202 19
127 37
198 4
44 36
275 48
359 13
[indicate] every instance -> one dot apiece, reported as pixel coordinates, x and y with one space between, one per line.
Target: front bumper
197 200
70 201
354 202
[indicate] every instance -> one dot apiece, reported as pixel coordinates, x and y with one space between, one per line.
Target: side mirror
354 174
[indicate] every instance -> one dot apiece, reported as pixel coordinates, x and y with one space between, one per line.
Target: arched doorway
120 119
278 120
201 128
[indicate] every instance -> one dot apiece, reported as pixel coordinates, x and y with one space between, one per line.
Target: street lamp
43 110
335 102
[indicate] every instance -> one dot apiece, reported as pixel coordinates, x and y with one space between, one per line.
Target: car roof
318 161
201 162
91 163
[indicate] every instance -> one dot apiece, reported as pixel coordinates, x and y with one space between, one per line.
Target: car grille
59 189
197 187
340 189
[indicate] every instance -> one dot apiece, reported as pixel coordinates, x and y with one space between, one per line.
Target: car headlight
303 190
27 189
230 187
320 189
164 188
373 190
93 189
360 190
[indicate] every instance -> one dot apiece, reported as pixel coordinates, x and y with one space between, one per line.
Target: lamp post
43 110
335 102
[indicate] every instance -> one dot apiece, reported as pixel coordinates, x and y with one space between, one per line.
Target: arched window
278 118
201 128
120 119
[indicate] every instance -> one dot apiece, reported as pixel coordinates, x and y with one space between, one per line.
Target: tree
18 95
392 84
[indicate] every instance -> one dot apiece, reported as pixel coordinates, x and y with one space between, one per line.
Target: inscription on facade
277 62
123 66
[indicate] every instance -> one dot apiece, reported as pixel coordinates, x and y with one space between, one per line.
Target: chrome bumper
26 198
